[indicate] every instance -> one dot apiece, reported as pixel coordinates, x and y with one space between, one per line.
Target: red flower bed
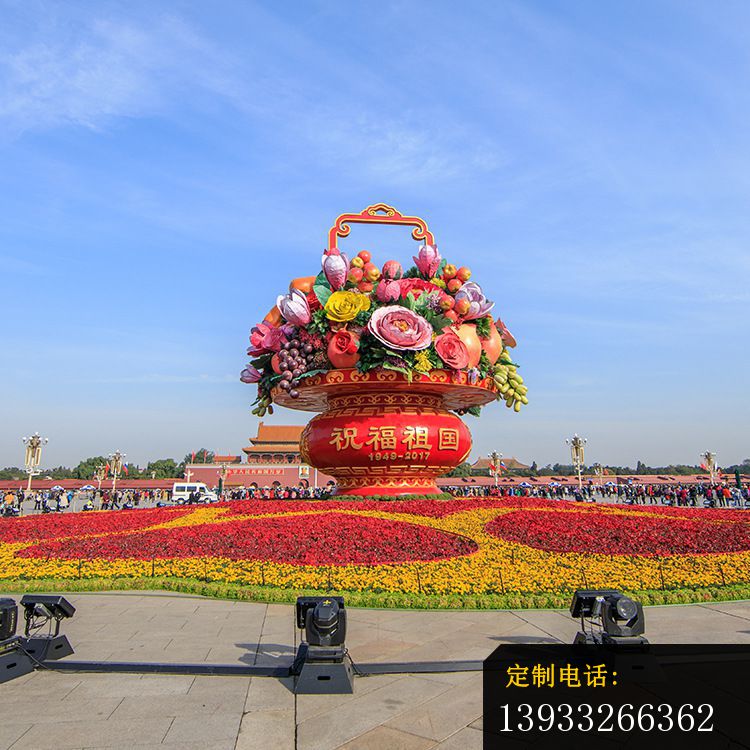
608 533
427 508
329 539
53 525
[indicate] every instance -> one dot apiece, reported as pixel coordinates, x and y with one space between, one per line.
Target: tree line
565 470
162 468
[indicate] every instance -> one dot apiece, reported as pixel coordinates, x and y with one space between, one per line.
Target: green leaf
438 321
310 373
396 368
322 288
262 362
483 327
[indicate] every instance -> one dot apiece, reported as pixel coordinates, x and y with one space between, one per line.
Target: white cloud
107 69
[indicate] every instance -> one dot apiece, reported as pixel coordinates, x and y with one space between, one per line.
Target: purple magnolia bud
479 305
294 307
250 375
427 261
335 268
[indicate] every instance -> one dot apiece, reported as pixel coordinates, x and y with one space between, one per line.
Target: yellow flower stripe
499 566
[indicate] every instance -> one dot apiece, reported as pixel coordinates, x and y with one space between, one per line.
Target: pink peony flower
293 306
265 338
427 260
416 287
399 328
392 270
250 375
479 305
452 350
388 290
335 268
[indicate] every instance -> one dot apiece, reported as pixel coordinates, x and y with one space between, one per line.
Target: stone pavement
403 712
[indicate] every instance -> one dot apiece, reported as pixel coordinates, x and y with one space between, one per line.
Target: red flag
192 458
106 468
125 468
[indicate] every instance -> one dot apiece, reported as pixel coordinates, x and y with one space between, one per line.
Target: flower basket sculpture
388 358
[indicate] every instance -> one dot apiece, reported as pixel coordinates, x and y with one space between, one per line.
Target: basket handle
380 213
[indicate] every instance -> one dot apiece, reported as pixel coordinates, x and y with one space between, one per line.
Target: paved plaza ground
401 712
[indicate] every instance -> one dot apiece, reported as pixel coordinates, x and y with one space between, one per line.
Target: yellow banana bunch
509 383
265 404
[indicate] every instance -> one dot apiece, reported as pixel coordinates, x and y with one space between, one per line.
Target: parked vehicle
181 492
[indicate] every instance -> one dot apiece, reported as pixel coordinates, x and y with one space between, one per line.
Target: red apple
462 306
355 274
364 286
463 273
449 271
447 302
451 315
454 285
365 255
357 262
372 272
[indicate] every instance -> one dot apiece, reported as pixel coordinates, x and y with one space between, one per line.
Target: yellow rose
345 306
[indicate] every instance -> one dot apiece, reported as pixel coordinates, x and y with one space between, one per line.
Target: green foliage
12 472
485 367
371 599
322 288
202 456
87 468
318 323
163 468
462 470
483 327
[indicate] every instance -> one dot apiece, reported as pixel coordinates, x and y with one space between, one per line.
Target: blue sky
166 168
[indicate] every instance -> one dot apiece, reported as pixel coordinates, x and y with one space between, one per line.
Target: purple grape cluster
293 359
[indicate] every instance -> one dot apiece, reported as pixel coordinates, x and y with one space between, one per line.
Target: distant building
483 464
273 458
275 444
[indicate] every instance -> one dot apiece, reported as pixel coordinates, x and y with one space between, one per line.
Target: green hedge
193 586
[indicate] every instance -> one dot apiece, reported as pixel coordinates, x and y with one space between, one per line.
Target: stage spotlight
613 618
46 610
14 661
8 618
322 665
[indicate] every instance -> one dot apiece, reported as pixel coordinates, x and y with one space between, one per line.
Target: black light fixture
322 664
14 661
46 611
612 618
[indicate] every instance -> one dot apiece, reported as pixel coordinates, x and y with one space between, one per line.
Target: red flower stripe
53 525
620 534
330 539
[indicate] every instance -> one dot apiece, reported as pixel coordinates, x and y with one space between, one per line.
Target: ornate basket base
384 435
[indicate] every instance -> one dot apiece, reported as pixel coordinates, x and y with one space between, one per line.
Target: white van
181 492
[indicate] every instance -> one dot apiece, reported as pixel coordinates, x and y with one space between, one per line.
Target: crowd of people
61 500
16 502
688 495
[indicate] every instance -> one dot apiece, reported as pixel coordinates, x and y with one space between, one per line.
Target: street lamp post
496 457
709 461
223 472
33 456
599 473
115 466
576 453
100 475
